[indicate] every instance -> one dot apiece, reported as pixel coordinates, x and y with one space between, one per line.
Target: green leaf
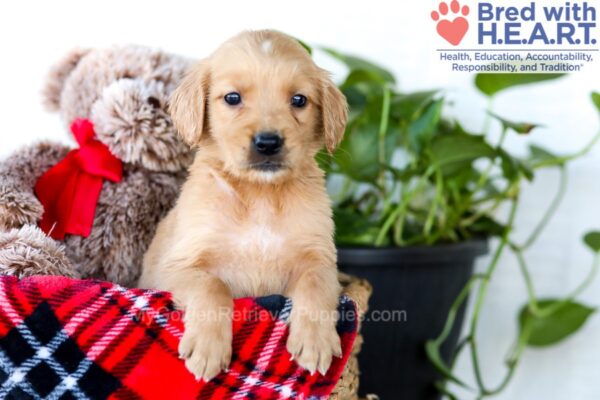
360 88
324 160
463 178
490 84
358 154
409 106
490 188
306 46
455 152
592 240
402 175
510 166
526 169
452 127
563 322
354 229
357 63
519 127
422 129
540 155
357 102
513 168
596 99
487 226
358 76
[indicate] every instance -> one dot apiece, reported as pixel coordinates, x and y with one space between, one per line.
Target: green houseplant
408 182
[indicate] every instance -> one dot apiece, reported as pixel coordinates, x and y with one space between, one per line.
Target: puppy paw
206 349
313 344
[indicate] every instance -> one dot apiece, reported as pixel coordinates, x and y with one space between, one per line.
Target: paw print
451 30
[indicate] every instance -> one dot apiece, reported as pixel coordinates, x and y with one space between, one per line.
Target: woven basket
358 290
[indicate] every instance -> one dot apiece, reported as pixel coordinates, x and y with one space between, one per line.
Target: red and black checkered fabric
69 339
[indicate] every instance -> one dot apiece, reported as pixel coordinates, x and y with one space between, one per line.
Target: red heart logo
453 31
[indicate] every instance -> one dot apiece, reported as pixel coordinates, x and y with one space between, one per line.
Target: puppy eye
233 98
298 100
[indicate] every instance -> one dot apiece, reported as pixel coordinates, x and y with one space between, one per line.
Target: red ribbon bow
69 191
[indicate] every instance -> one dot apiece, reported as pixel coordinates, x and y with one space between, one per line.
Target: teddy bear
90 211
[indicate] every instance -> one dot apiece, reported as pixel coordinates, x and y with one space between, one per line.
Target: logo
451 26
517 36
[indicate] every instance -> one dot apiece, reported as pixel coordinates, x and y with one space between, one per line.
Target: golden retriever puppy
253 218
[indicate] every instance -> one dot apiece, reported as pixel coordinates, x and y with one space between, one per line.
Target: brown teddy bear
91 212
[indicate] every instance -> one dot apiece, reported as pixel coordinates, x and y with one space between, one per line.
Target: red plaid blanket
69 339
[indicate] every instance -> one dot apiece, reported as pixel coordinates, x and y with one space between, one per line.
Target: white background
401 36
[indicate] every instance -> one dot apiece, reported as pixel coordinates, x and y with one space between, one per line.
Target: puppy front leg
208 304
313 339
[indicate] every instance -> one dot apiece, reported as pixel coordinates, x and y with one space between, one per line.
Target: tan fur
236 231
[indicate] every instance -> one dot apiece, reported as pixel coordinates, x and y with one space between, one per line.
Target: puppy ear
334 111
188 104
57 77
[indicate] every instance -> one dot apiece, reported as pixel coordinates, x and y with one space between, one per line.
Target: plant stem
523 339
560 194
513 361
451 317
486 173
383 127
398 231
387 199
482 213
439 192
483 287
561 160
458 302
545 312
404 202
533 305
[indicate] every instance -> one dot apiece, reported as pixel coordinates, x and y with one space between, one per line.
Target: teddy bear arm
28 251
18 175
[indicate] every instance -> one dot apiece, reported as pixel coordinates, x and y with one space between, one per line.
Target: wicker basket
358 290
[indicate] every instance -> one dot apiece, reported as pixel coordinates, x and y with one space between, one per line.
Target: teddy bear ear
58 75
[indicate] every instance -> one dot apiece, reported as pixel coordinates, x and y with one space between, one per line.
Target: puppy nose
267 143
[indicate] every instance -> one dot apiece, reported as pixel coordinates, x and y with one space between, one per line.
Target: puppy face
260 106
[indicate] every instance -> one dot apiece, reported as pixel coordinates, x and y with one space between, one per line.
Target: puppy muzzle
267 143
266 154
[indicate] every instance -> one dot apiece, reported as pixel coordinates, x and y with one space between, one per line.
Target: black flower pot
413 289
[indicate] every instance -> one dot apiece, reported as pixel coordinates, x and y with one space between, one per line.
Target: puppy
253 218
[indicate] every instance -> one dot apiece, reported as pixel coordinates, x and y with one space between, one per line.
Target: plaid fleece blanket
69 339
